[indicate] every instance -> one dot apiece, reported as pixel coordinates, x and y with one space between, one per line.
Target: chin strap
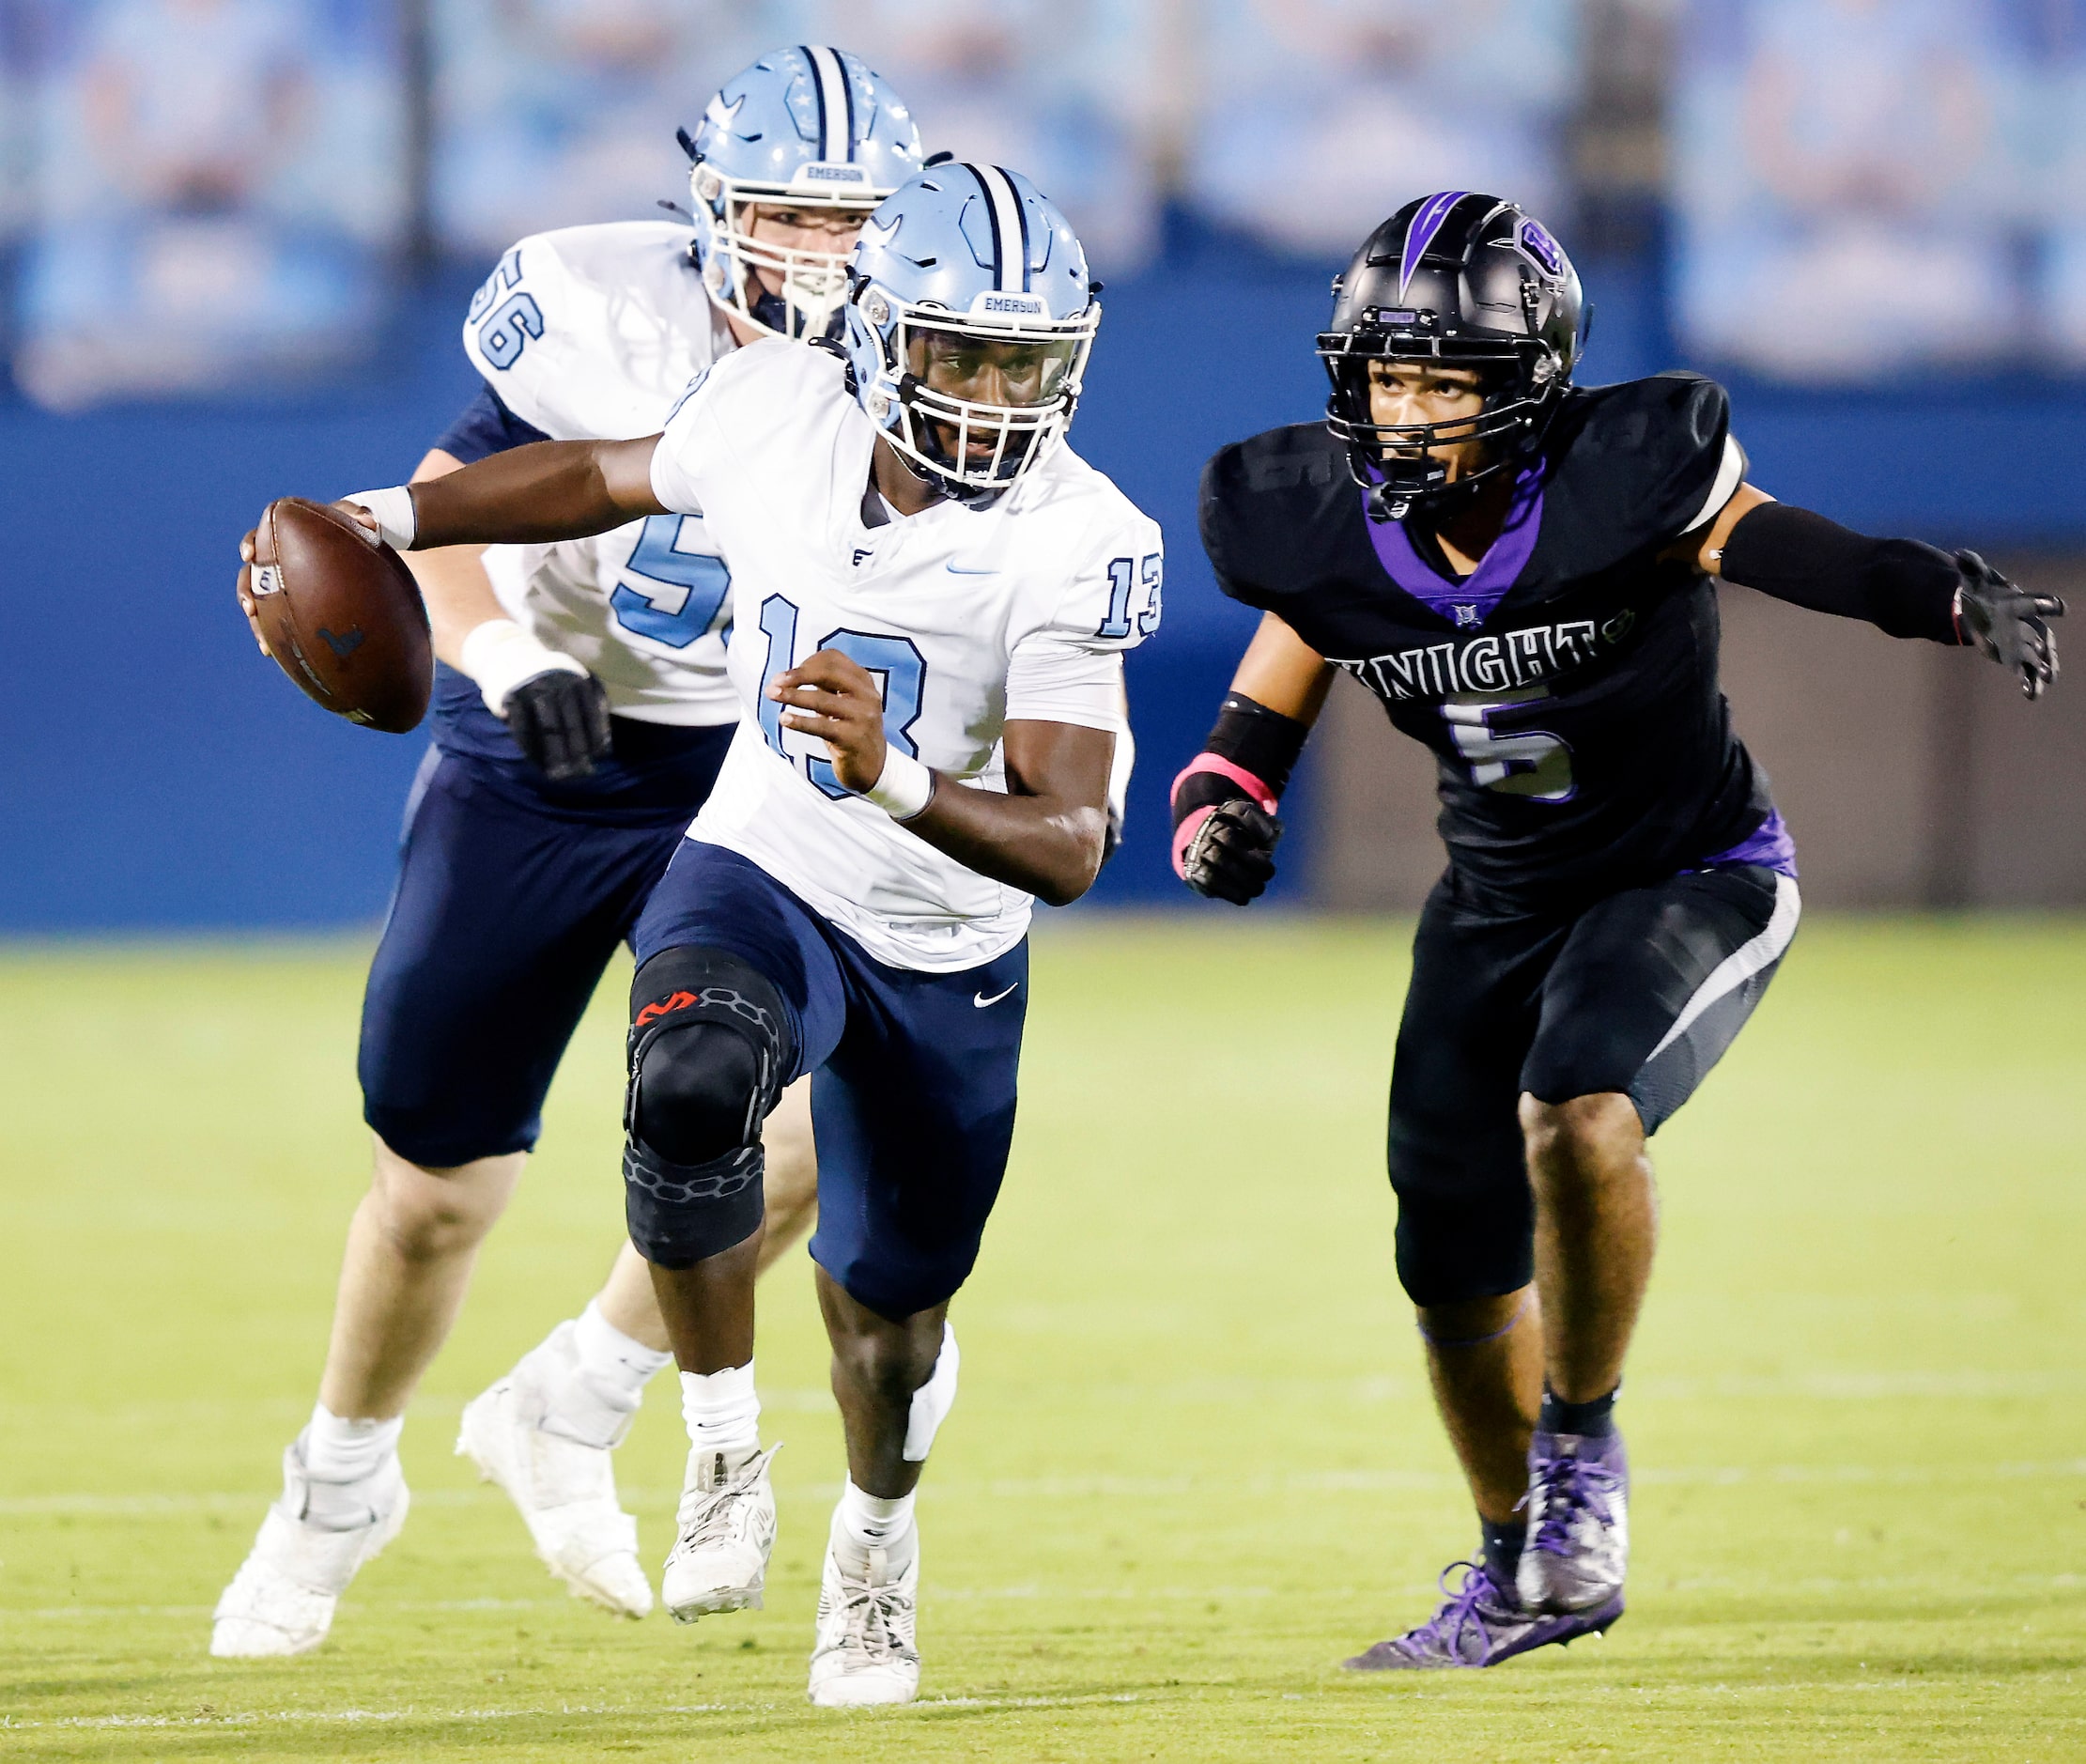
1382 505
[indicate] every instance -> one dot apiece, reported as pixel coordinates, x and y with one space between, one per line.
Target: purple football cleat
1480 1624
1578 1509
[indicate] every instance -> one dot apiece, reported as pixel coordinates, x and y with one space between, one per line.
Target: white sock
596 1401
869 1521
337 1449
723 1410
620 1365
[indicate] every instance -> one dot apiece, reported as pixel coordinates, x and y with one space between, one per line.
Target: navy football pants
512 896
913 1074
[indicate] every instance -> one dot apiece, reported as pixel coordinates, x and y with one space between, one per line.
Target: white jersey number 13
901 678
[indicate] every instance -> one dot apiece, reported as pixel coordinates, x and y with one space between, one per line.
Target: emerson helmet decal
968 325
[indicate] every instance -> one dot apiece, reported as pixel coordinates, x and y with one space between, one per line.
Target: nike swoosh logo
981 1001
957 569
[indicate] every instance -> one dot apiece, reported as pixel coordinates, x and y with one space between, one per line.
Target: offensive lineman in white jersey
931 598
582 719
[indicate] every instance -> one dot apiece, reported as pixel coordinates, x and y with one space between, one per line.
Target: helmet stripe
835 105
1010 228
1420 231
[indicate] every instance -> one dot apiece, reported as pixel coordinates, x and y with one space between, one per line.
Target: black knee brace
708 1047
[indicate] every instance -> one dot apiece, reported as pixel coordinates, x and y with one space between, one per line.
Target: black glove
2007 622
1228 854
559 720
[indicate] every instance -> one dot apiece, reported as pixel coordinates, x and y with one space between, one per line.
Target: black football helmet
1464 279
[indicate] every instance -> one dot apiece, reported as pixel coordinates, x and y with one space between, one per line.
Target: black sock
1590 1420
1503 1548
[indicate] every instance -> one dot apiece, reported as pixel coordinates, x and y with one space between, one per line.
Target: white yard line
1070 1593
253 1718
1129 1488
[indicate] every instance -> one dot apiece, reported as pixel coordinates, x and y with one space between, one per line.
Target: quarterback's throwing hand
244 589
2007 623
836 699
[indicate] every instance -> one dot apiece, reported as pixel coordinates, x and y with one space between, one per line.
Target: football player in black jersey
1524 572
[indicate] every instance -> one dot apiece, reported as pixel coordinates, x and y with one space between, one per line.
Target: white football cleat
864 1653
727 1529
564 1487
310 1545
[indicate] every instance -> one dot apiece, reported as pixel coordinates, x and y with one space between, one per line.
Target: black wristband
1257 739
1901 586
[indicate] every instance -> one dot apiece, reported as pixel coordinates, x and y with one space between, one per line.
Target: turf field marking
182 1505
50 1612
1860 1387
297 1717
1081 1488
253 1718
1151 1595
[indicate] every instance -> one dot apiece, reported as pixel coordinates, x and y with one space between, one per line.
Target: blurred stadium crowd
199 187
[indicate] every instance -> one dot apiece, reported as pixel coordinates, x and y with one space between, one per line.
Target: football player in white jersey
581 720
932 595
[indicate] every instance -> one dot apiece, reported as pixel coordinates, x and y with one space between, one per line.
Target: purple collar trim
1767 845
1468 602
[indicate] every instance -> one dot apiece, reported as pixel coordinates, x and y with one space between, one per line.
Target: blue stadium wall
157 775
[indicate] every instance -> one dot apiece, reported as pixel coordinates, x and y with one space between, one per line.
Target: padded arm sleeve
1250 753
1900 586
1266 742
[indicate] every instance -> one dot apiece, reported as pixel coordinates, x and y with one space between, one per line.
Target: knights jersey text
1568 687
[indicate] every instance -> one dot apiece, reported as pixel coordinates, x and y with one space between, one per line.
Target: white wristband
397 520
500 654
904 787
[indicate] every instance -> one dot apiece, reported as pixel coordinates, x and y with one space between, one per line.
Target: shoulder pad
1642 456
1265 503
592 332
1115 572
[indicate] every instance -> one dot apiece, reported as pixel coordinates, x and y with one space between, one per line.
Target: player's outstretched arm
1901 586
557 712
1044 836
532 495
1224 830
453 580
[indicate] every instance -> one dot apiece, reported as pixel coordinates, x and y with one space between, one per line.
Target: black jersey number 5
1531 763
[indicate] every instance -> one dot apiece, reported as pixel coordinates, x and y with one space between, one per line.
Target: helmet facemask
1399 463
1457 279
785 292
972 402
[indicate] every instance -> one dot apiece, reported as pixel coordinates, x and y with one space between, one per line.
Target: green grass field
1193 1465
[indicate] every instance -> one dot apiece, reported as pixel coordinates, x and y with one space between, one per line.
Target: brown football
342 614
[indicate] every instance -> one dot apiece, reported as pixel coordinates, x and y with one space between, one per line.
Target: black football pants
1639 993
